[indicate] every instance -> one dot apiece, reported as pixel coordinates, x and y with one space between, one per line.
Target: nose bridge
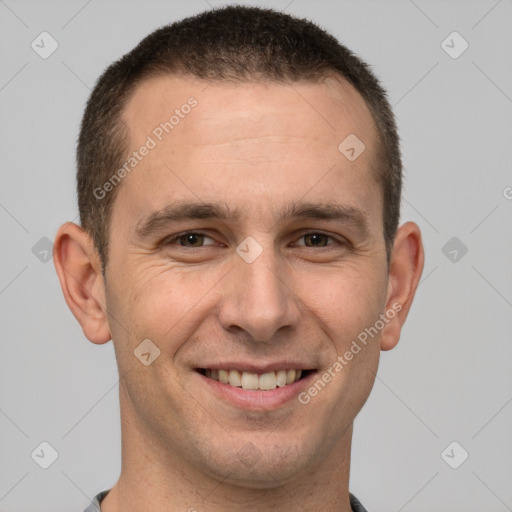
259 301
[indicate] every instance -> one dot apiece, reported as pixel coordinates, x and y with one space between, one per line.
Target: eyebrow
181 211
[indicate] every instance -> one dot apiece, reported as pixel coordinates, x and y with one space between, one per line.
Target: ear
405 268
78 266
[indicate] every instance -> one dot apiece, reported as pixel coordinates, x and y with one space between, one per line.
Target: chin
259 465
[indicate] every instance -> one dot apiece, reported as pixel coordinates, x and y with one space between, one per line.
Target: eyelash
173 239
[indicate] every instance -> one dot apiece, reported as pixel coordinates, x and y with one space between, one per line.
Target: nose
258 299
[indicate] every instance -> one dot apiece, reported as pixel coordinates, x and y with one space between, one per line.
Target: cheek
344 301
160 302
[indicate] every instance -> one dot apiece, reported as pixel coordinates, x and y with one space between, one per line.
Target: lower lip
258 400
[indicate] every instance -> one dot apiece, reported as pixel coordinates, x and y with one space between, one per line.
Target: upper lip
256 367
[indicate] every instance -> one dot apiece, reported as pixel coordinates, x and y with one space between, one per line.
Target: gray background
448 380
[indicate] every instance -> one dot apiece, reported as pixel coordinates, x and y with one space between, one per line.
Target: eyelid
336 240
171 240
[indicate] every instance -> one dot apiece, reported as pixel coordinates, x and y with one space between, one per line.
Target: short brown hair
233 43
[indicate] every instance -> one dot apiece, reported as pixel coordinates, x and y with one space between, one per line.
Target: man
239 183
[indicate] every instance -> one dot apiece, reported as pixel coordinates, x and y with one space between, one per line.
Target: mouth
252 381
256 389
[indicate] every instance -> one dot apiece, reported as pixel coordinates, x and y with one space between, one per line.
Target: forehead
235 141
331 106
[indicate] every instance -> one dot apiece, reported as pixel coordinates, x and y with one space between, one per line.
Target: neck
155 479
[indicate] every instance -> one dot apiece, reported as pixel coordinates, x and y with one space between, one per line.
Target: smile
256 387
254 381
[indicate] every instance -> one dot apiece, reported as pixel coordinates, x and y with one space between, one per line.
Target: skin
258 148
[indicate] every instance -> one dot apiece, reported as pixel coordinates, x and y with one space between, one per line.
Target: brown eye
316 240
191 240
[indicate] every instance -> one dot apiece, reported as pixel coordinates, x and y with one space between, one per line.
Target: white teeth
253 381
281 378
235 379
250 380
268 381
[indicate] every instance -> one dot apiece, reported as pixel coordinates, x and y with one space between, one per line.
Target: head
241 236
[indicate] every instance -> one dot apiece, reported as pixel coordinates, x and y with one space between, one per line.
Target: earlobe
79 269
405 268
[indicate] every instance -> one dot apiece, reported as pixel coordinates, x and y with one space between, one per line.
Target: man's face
267 157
